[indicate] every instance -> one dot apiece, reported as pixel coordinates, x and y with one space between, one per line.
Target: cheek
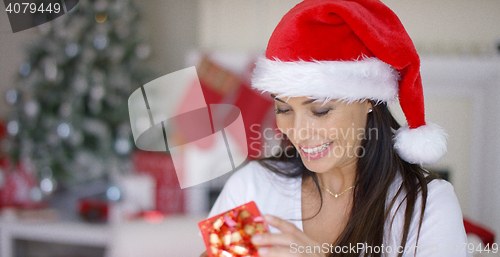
347 128
358 125
282 123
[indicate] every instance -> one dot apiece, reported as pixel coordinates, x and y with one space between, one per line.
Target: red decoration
4 160
169 196
228 234
217 79
16 191
486 235
254 107
93 210
221 86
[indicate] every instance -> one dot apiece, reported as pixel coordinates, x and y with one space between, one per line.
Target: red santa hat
351 50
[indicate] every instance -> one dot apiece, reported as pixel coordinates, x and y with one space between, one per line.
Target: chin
319 166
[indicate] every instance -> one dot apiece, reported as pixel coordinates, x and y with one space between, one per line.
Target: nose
302 130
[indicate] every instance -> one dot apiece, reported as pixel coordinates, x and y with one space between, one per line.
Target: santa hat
351 50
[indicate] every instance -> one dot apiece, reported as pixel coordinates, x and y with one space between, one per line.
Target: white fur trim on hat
368 78
423 145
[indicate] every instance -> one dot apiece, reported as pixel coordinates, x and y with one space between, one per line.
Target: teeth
317 149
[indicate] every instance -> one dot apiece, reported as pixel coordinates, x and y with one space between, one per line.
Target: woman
348 180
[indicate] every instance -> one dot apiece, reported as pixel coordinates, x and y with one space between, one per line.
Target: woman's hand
204 254
292 241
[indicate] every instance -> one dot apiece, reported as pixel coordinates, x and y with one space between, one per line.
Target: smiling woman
327 134
348 179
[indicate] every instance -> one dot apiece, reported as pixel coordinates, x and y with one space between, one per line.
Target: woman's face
326 135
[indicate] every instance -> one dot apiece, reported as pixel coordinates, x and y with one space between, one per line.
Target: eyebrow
303 103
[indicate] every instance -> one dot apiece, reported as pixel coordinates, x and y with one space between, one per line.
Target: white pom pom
423 145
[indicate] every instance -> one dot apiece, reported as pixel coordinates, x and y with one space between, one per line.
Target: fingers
204 254
290 233
283 225
274 239
281 244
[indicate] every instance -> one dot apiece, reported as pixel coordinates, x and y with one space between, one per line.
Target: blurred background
72 182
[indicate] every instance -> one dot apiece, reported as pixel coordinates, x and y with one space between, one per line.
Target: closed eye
323 113
279 111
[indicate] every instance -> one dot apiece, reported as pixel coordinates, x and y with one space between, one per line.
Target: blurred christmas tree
70 112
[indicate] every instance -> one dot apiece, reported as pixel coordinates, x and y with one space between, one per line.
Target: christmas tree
70 112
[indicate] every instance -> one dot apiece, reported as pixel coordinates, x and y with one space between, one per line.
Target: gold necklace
336 195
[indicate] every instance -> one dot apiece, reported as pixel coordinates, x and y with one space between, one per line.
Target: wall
448 27
239 25
173 31
436 26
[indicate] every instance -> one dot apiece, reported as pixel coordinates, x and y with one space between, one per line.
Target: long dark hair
375 172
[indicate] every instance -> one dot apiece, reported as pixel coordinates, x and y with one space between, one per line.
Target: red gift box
228 234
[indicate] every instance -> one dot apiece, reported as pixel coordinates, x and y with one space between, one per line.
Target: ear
369 106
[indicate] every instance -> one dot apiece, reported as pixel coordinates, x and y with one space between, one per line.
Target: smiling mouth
317 149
